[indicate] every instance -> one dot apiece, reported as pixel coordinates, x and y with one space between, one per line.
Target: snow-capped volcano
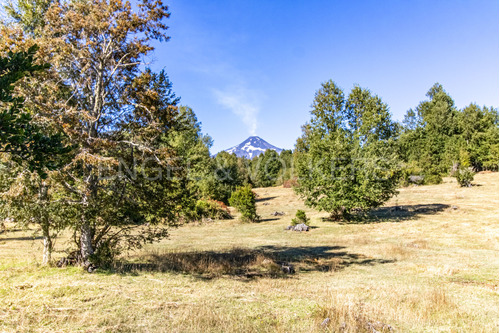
251 147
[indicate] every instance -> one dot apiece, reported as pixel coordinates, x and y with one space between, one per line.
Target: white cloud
242 102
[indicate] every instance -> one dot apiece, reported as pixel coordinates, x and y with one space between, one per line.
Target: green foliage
224 173
464 176
20 135
192 153
436 136
29 13
345 159
267 168
477 141
426 135
212 209
300 217
106 253
28 198
286 172
128 177
411 173
243 199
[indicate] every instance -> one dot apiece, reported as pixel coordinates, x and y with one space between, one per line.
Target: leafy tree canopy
345 159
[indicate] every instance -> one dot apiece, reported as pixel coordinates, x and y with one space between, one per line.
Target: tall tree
345 159
223 178
113 113
428 137
28 193
437 137
478 136
286 159
267 168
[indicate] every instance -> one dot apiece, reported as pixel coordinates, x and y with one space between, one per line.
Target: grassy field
427 262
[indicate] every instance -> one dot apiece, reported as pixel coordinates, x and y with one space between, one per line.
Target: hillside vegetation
425 262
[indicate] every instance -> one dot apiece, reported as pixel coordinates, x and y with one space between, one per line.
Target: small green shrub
106 253
212 209
464 177
433 179
411 174
243 199
300 217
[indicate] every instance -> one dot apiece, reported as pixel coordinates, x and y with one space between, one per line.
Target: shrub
212 209
243 199
433 179
300 217
411 174
464 177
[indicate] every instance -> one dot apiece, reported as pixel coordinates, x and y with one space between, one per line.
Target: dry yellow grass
431 266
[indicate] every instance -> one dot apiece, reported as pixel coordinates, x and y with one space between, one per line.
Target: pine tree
243 199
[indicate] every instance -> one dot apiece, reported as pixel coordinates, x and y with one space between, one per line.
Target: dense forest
95 142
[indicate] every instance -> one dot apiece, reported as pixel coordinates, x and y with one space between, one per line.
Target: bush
300 217
243 199
212 209
411 174
433 179
464 177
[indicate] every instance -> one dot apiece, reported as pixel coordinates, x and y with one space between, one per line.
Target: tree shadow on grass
396 213
248 264
264 199
404 212
25 238
269 219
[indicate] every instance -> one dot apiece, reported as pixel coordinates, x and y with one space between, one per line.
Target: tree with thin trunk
31 199
29 149
126 183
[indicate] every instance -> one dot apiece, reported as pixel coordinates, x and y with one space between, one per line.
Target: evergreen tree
345 159
478 137
267 168
437 138
223 178
243 199
286 159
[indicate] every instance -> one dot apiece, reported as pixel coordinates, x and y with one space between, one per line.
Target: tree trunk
86 230
45 224
86 248
47 246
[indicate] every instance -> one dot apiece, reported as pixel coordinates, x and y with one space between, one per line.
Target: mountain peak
251 147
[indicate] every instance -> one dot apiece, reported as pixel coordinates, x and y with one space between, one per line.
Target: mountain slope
251 147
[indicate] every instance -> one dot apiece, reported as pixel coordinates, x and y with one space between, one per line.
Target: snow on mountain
251 147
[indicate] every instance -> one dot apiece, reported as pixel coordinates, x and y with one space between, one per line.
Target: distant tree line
433 140
95 143
437 137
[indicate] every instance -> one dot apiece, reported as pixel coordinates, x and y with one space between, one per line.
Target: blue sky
252 67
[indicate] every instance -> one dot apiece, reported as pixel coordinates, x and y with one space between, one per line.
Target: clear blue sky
252 67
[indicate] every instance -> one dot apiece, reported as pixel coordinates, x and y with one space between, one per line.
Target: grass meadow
425 262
